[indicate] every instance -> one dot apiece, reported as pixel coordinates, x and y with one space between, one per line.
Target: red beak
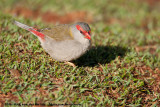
87 36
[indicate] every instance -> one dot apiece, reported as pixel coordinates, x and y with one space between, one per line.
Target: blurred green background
122 68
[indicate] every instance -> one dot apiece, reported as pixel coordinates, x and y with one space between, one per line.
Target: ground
121 69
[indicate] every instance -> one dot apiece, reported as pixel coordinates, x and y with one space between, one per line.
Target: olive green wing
59 32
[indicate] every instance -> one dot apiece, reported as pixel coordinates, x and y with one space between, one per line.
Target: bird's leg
70 63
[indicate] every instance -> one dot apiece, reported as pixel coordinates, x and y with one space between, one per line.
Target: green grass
122 68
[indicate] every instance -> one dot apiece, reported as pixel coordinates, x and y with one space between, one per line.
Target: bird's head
81 31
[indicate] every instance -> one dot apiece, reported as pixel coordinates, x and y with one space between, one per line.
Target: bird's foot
70 64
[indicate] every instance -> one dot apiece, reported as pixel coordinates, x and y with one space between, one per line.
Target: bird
63 42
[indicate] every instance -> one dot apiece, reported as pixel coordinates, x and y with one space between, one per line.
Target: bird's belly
66 50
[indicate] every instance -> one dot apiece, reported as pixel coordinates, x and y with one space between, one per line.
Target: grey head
81 31
84 26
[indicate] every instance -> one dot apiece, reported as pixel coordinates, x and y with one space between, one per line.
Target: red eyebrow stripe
80 28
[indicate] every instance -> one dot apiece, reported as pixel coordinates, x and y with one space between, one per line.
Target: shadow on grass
100 55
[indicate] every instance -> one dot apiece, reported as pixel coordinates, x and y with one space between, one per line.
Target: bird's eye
89 32
81 31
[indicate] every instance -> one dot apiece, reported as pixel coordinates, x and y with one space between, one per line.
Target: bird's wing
59 32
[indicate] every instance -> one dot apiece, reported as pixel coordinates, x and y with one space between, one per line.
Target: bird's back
59 32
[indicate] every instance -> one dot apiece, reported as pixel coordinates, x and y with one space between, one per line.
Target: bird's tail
22 25
31 29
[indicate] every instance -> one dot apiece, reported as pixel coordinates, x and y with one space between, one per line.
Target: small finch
65 42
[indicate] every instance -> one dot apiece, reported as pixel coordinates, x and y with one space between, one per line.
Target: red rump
37 33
